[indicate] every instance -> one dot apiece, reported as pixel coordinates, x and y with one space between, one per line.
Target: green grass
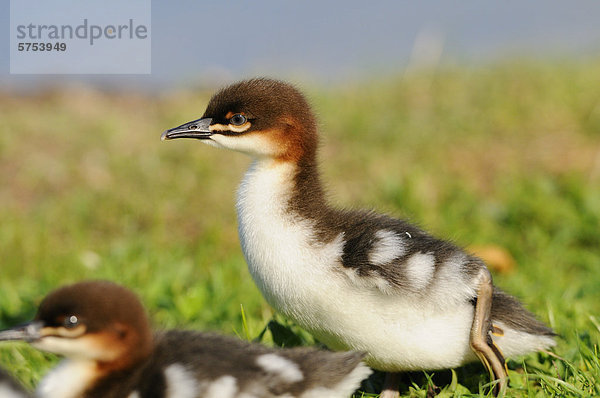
505 154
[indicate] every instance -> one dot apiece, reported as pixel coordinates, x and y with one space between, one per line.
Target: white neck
69 379
279 246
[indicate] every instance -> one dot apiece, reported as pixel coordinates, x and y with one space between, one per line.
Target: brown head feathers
274 108
108 313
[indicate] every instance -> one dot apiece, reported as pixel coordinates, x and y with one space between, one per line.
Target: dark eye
70 322
238 119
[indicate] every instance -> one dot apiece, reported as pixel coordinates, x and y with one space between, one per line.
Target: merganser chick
355 279
103 331
10 388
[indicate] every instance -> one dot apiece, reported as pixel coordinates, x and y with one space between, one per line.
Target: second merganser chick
103 331
355 279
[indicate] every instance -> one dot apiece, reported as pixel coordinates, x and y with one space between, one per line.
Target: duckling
103 331
357 280
10 388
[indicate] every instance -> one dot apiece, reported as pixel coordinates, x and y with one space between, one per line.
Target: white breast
302 279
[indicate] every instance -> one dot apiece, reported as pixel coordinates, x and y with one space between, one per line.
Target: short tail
356 372
332 374
516 331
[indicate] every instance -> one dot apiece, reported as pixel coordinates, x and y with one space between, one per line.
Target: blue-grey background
198 42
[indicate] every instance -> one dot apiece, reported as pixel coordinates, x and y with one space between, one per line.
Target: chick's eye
70 322
238 119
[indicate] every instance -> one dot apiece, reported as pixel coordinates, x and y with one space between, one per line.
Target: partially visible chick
103 331
10 388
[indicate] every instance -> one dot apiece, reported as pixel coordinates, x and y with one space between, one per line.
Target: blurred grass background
505 154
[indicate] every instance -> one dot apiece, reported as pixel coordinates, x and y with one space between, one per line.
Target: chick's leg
390 385
480 339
